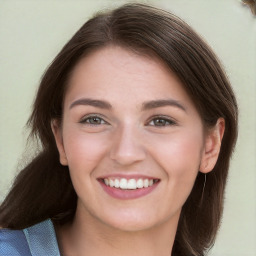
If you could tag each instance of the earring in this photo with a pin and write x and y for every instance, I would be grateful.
(202, 196)
(204, 184)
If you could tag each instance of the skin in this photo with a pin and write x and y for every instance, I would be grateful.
(130, 138)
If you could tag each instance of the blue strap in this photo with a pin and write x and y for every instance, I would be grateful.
(42, 239)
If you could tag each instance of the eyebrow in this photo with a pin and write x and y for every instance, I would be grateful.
(145, 106)
(91, 102)
(162, 103)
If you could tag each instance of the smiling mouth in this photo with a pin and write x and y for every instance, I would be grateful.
(129, 184)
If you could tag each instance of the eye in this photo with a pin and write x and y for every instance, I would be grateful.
(93, 120)
(161, 122)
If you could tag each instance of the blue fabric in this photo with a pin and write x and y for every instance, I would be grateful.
(38, 240)
(13, 243)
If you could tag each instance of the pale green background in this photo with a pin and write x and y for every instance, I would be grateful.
(32, 33)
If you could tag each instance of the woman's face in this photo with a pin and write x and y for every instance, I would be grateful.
(132, 138)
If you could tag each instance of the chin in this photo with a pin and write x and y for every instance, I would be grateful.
(136, 221)
(131, 225)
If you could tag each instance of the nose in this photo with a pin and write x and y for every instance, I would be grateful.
(127, 147)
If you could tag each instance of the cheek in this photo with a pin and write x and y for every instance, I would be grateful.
(180, 154)
(83, 151)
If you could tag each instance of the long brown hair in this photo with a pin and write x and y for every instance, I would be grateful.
(43, 189)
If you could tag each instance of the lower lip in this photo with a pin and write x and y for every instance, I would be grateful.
(129, 193)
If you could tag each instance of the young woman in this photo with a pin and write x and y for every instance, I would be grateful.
(137, 123)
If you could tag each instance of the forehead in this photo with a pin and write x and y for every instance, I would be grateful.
(116, 73)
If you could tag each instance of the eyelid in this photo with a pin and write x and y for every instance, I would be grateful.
(85, 117)
(169, 119)
(164, 117)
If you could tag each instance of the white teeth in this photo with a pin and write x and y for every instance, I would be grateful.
(132, 184)
(116, 183)
(123, 184)
(111, 183)
(128, 184)
(146, 183)
(140, 183)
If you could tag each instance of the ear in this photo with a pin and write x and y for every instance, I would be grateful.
(212, 146)
(56, 129)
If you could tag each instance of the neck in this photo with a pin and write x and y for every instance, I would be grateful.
(90, 238)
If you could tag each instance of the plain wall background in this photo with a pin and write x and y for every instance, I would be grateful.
(32, 33)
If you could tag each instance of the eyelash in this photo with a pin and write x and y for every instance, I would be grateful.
(87, 120)
(163, 121)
